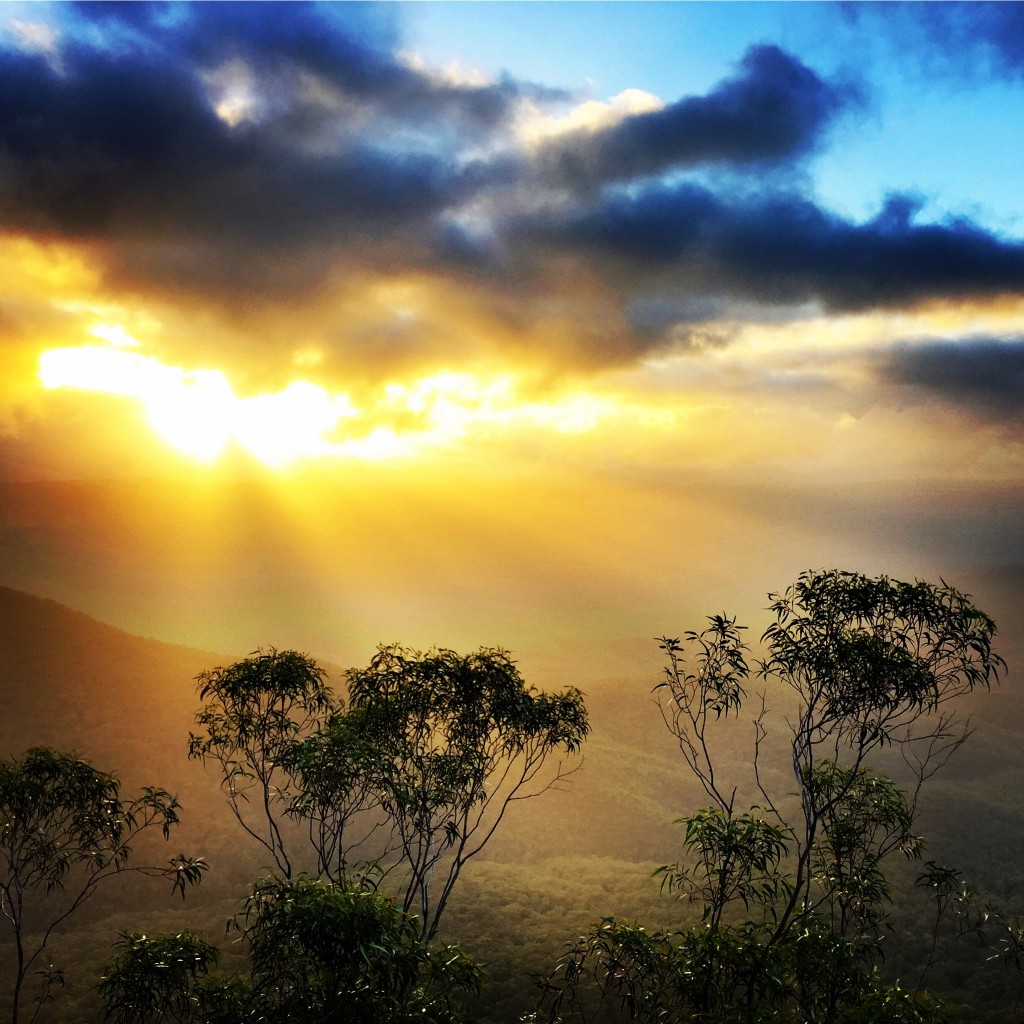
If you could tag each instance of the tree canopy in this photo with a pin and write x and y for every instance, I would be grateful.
(401, 787)
(64, 830)
(793, 892)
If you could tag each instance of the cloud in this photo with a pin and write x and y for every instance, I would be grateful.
(282, 168)
(138, 161)
(968, 38)
(350, 46)
(983, 375)
(775, 109)
(249, 153)
(1001, 27)
(129, 144)
(248, 129)
(780, 249)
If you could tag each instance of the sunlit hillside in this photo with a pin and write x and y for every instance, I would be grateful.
(560, 862)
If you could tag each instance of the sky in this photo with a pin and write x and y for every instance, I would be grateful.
(542, 325)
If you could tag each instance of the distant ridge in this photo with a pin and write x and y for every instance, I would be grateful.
(19, 608)
(69, 681)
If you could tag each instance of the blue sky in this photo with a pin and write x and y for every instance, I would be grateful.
(943, 113)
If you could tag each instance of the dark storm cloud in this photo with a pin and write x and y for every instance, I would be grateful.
(350, 46)
(113, 148)
(774, 110)
(781, 249)
(985, 375)
(341, 157)
(119, 142)
(965, 37)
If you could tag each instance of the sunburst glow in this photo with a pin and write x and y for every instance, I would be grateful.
(198, 413)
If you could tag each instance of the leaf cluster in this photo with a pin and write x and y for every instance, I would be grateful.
(318, 953)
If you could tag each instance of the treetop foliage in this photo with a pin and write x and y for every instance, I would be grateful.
(875, 652)
(794, 898)
(65, 829)
(416, 773)
(256, 710)
(260, 703)
(460, 701)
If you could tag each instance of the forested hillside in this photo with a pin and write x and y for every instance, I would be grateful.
(559, 863)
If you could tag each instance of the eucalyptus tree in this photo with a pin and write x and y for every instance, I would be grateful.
(792, 887)
(256, 711)
(64, 831)
(402, 787)
(458, 738)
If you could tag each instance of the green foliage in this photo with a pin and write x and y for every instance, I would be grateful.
(321, 952)
(715, 687)
(156, 978)
(735, 860)
(863, 817)
(620, 971)
(793, 903)
(786, 888)
(257, 710)
(400, 789)
(879, 1003)
(64, 829)
(731, 974)
(318, 953)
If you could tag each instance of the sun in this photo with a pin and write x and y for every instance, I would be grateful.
(198, 413)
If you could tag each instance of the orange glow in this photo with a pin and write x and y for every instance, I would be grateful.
(197, 412)
(34, 268)
(191, 411)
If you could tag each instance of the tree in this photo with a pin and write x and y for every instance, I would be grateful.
(321, 952)
(458, 739)
(156, 978)
(872, 663)
(65, 830)
(403, 787)
(318, 953)
(793, 892)
(257, 710)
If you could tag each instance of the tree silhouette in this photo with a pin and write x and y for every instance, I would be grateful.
(401, 788)
(65, 830)
(256, 711)
(458, 738)
(793, 893)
